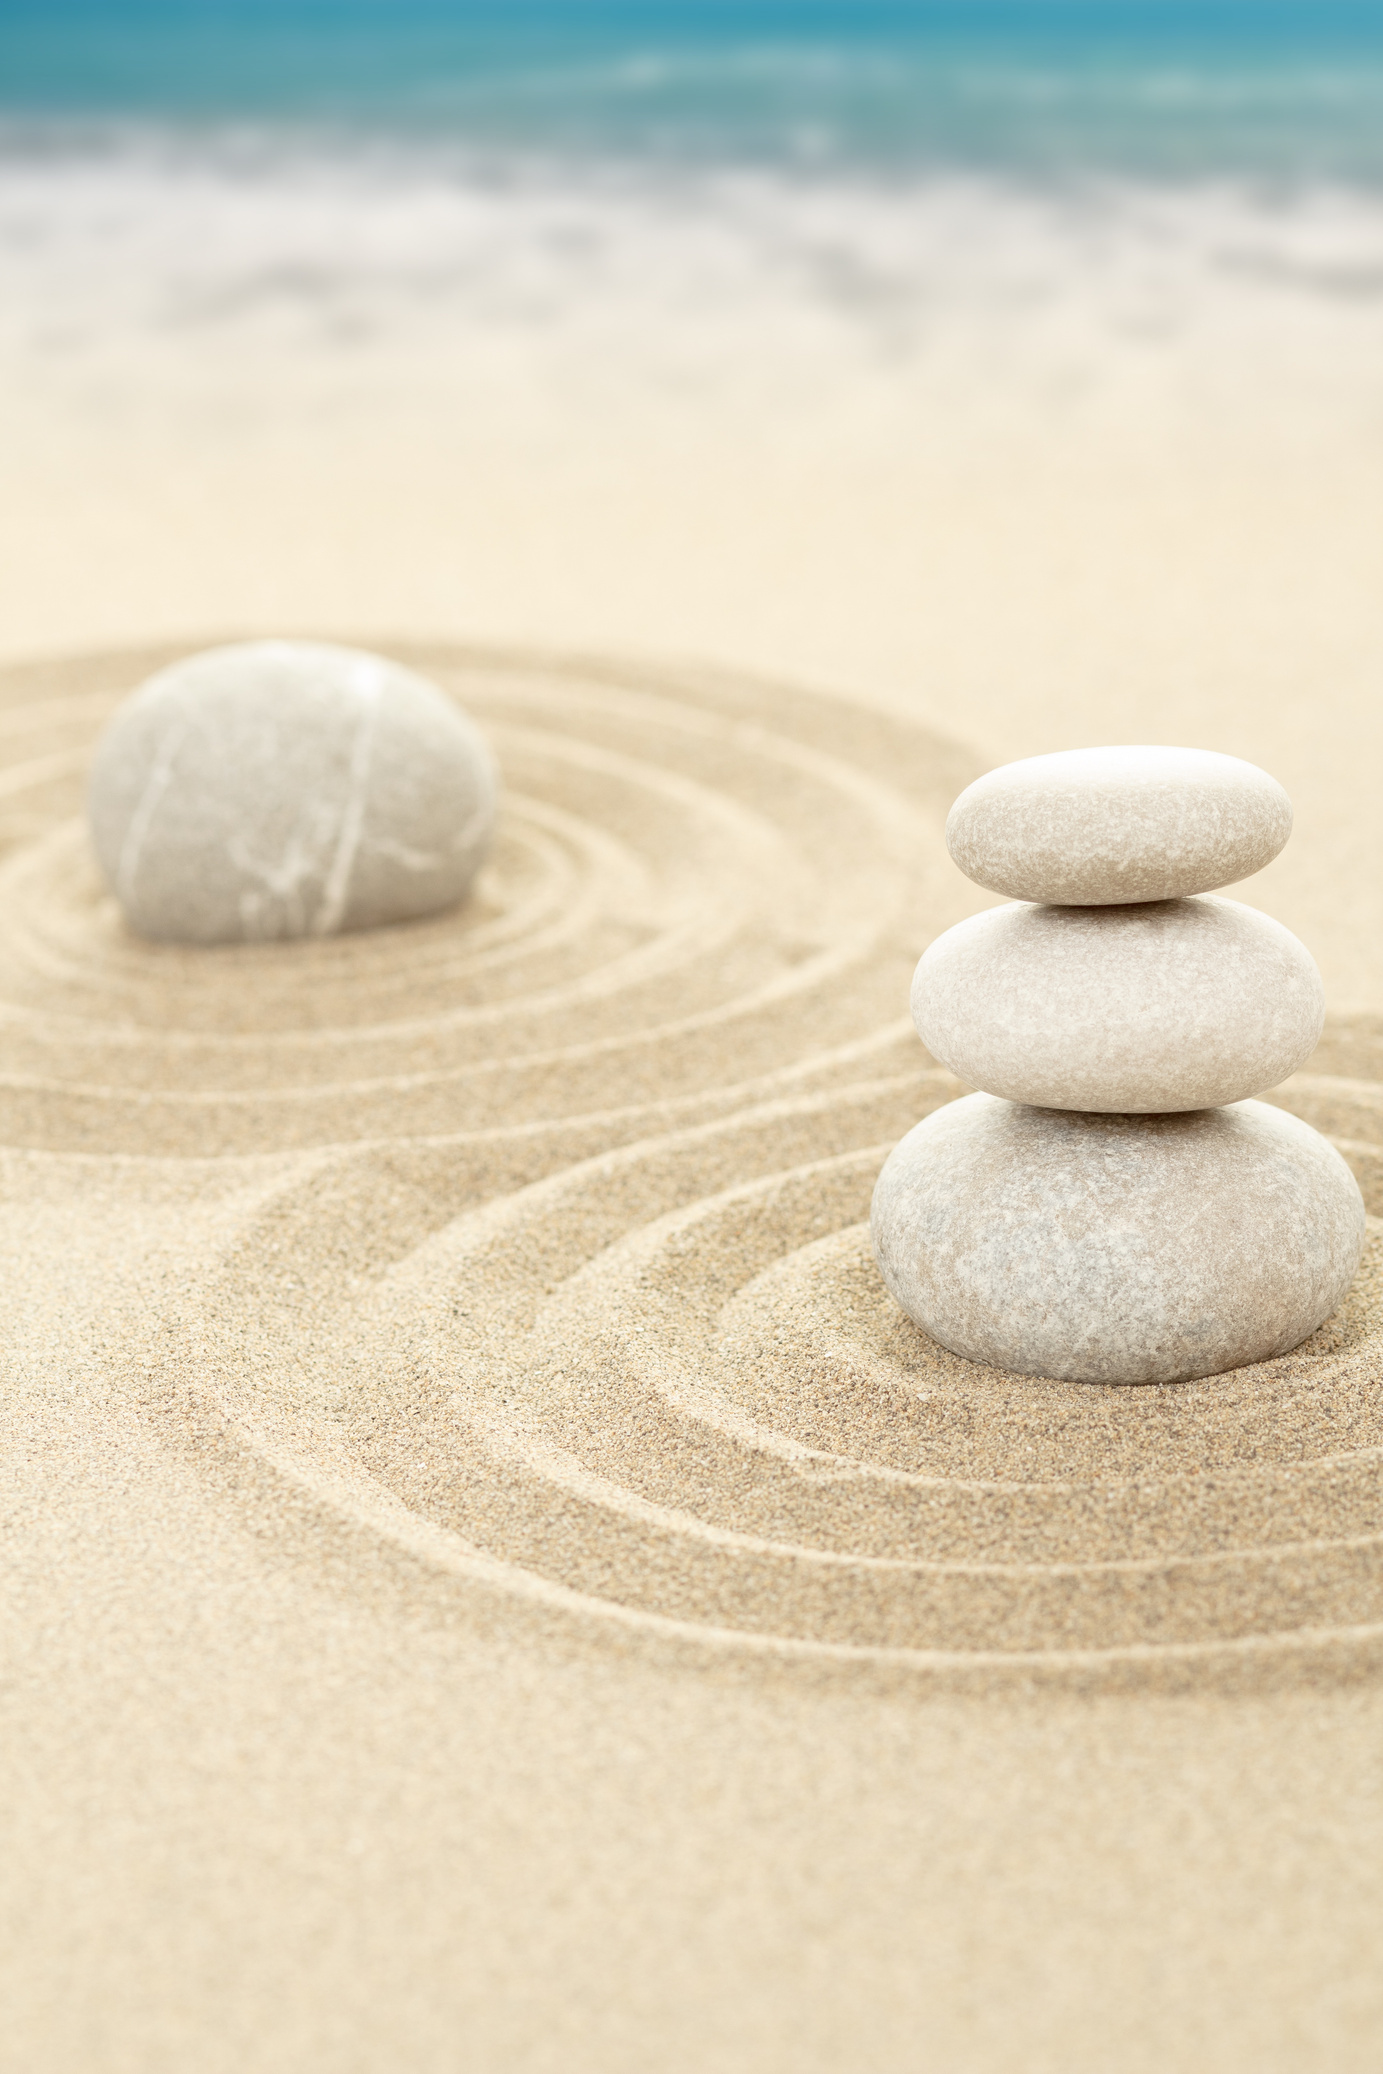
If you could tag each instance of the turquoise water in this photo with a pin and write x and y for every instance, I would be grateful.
(1167, 91)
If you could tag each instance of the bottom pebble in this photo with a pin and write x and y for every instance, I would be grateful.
(1116, 1249)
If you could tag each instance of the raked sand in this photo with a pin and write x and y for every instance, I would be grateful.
(495, 1580)
(491, 1580)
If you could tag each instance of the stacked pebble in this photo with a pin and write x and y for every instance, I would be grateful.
(1111, 1209)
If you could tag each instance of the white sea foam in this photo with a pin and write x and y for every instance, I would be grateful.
(203, 251)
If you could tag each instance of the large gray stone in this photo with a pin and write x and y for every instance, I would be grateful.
(1116, 1249)
(1088, 826)
(287, 788)
(1176, 1005)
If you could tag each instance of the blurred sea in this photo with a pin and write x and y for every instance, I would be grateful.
(346, 171)
(1257, 89)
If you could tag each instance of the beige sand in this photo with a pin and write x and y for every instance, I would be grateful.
(489, 1582)
(495, 1582)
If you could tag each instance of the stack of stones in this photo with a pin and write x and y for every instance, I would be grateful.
(1112, 1209)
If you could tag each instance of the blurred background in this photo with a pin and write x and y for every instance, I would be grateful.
(1018, 363)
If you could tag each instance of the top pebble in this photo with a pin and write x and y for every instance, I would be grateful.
(1106, 827)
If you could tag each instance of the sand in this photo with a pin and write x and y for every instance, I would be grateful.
(494, 1577)
(490, 1579)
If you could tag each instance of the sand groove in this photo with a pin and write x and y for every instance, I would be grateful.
(564, 1266)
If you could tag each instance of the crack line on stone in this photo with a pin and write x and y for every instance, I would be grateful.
(155, 785)
(368, 682)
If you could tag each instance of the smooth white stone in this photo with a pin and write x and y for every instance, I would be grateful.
(1176, 1005)
(288, 788)
(1085, 827)
(1104, 1249)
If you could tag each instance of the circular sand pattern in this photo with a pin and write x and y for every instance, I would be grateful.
(558, 1274)
(692, 900)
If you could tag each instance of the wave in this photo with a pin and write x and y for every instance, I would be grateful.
(137, 234)
(709, 90)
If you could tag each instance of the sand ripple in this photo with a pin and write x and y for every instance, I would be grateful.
(558, 1273)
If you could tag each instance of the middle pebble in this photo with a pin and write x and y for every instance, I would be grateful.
(1174, 1004)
